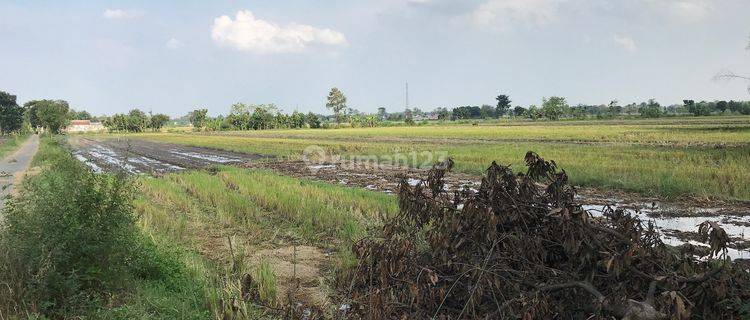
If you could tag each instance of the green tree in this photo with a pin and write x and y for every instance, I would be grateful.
(198, 118)
(158, 121)
(503, 105)
(443, 113)
(614, 108)
(137, 121)
(30, 108)
(297, 120)
(721, 106)
(652, 109)
(487, 111)
(336, 101)
(534, 112)
(239, 116)
(11, 114)
(118, 122)
(381, 113)
(519, 111)
(554, 107)
(312, 120)
(79, 115)
(52, 115)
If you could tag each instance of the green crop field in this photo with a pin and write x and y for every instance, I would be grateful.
(671, 157)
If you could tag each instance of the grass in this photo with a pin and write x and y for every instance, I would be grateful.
(314, 209)
(707, 157)
(672, 131)
(223, 212)
(266, 280)
(8, 144)
(259, 200)
(71, 248)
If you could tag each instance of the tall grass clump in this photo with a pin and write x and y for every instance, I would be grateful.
(314, 208)
(266, 281)
(69, 240)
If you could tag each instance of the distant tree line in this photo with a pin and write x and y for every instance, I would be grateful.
(253, 117)
(135, 121)
(556, 108)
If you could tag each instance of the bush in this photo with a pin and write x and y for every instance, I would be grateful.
(70, 237)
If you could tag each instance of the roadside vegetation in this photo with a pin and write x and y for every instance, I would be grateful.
(70, 246)
(10, 143)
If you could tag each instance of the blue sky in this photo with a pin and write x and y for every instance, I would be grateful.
(174, 56)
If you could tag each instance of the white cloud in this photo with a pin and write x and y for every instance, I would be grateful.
(692, 9)
(121, 14)
(502, 14)
(248, 33)
(173, 43)
(685, 10)
(626, 43)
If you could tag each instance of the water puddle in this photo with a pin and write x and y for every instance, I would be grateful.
(206, 157)
(88, 163)
(110, 157)
(735, 226)
(153, 163)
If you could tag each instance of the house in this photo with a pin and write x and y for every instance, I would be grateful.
(84, 126)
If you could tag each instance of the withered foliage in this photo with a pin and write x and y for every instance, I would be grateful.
(521, 247)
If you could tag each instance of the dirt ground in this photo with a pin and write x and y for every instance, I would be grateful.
(138, 156)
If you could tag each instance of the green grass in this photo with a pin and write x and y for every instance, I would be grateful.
(314, 208)
(266, 280)
(260, 200)
(82, 228)
(191, 209)
(8, 144)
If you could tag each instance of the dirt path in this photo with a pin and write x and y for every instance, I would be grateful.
(14, 165)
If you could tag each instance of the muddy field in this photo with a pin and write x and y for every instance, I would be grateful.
(143, 157)
(677, 220)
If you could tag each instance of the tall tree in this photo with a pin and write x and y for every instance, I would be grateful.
(30, 112)
(52, 115)
(137, 120)
(11, 114)
(312, 120)
(554, 107)
(503, 105)
(337, 102)
(381, 113)
(487, 111)
(79, 115)
(158, 121)
(198, 118)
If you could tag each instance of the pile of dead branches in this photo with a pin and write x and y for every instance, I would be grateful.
(521, 247)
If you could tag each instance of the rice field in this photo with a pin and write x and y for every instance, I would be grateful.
(704, 157)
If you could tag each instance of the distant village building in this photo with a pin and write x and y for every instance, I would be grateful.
(84, 126)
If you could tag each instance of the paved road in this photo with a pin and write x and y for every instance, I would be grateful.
(14, 165)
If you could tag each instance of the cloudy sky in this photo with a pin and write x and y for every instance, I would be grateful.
(173, 56)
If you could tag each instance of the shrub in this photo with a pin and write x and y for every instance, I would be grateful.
(70, 237)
